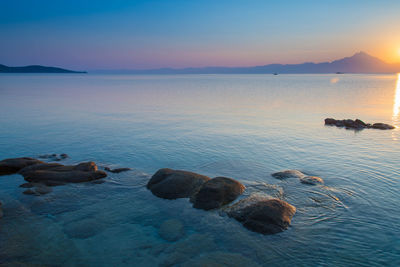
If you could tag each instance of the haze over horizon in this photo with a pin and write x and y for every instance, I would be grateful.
(178, 34)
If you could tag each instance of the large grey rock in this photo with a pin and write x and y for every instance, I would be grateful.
(263, 215)
(53, 174)
(171, 230)
(217, 192)
(10, 166)
(172, 184)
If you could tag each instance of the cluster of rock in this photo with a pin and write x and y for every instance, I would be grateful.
(357, 124)
(305, 179)
(40, 175)
(266, 216)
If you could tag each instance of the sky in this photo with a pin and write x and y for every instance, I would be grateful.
(103, 34)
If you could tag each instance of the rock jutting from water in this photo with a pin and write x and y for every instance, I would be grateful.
(305, 179)
(263, 215)
(11, 166)
(357, 124)
(171, 184)
(57, 173)
(217, 192)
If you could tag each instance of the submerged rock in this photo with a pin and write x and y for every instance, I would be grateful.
(117, 170)
(55, 174)
(1, 210)
(265, 216)
(172, 184)
(312, 180)
(37, 189)
(357, 124)
(171, 230)
(217, 192)
(85, 228)
(10, 166)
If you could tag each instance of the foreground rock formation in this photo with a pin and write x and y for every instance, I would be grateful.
(172, 184)
(263, 215)
(217, 192)
(357, 124)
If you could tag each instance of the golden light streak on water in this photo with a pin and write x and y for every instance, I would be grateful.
(396, 106)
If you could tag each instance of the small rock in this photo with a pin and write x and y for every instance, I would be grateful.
(54, 157)
(312, 180)
(172, 184)
(382, 126)
(288, 174)
(217, 192)
(171, 230)
(117, 170)
(31, 192)
(27, 185)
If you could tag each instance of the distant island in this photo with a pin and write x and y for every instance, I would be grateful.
(358, 63)
(35, 69)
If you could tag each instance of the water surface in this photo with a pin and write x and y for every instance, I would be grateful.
(241, 126)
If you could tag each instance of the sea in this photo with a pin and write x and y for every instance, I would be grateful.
(241, 126)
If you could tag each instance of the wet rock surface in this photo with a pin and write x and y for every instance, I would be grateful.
(265, 216)
(217, 192)
(54, 173)
(172, 184)
(357, 124)
(11, 166)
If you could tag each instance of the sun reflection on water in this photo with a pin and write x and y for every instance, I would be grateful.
(396, 106)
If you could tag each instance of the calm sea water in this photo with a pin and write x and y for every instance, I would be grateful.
(241, 126)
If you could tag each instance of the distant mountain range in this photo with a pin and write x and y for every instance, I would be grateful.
(35, 69)
(358, 63)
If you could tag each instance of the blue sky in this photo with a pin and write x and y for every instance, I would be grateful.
(151, 34)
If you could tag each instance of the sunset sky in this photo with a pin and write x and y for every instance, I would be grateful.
(178, 33)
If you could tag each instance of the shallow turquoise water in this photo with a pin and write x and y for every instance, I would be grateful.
(241, 126)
